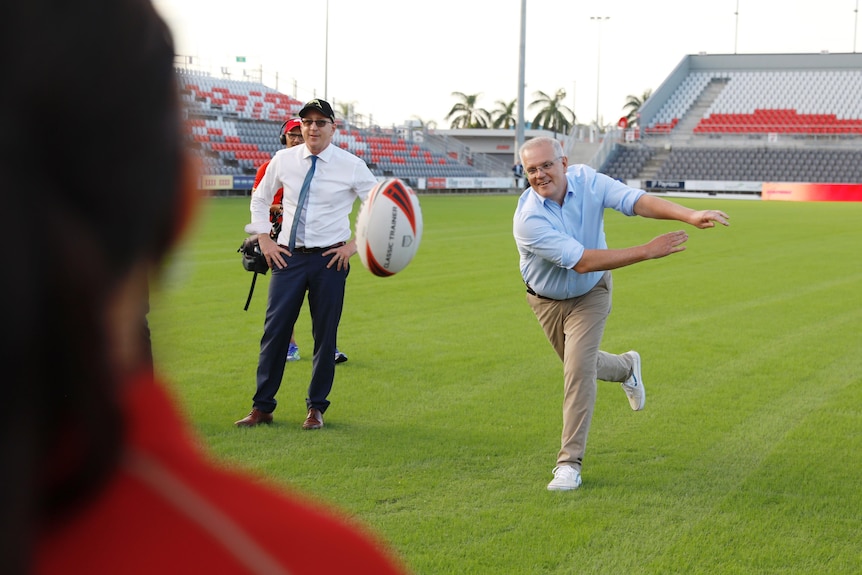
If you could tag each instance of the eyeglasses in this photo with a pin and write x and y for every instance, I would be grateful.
(318, 123)
(294, 135)
(532, 171)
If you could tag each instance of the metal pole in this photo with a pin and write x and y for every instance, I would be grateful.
(599, 20)
(519, 128)
(855, 24)
(574, 96)
(326, 58)
(598, 69)
(736, 30)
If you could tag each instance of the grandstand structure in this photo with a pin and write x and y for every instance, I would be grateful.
(233, 127)
(726, 123)
(717, 124)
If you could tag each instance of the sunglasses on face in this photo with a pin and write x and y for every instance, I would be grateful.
(318, 123)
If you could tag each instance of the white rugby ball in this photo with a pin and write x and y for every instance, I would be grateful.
(389, 228)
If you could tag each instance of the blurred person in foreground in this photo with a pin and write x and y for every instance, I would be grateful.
(290, 136)
(565, 263)
(311, 254)
(100, 473)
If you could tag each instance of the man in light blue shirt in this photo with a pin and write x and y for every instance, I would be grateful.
(565, 262)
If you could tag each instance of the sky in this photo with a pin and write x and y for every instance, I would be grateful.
(397, 60)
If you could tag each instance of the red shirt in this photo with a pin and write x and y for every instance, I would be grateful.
(170, 509)
(279, 194)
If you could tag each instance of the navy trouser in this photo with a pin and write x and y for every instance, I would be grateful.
(287, 287)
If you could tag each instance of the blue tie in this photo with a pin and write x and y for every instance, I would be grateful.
(303, 194)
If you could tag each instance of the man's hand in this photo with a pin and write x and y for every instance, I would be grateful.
(341, 255)
(611, 259)
(707, 218)
(666, 244)
(273, 252)
(660, 209)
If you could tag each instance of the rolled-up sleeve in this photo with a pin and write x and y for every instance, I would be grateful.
(619, 196)
(261, 200)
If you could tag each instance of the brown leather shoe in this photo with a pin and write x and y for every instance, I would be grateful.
(314, 419)
(256, 417)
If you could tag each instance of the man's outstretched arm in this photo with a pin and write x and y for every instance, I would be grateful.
(660, 209)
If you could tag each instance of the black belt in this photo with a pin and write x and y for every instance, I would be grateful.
(531, 292)
(305, 250)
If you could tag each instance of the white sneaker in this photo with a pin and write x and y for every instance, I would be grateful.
(566, 478)
(634, 385)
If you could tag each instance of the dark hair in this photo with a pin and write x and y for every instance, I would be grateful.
(91, 163)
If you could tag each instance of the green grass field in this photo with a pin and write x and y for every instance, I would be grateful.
(445, 422)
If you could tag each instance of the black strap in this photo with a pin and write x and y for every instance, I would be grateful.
(250, 290)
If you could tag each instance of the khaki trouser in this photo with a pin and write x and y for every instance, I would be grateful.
(574, 327)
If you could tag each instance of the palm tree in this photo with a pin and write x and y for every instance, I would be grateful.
(425, 125)
(465, 114)
(633, 105)
(553, 114)
(504, 115)
(345, 111)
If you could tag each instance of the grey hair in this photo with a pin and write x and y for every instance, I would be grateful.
(538, 141)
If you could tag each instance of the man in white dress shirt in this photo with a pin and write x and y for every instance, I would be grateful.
(318, 262)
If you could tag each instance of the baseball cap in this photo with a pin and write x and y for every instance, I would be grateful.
(291, 124)
(321, 106)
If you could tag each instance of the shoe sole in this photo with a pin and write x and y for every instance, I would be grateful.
(311, 424)
(636, 369)
(240, 424)
(563, 488)
(567, 487)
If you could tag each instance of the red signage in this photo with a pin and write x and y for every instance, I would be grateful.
(436, 183)
(798, 192)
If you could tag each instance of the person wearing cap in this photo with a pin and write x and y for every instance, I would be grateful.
(291, 135)
(311, 254)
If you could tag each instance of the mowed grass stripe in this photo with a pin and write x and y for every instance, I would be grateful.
(771, 464)
(755, 406)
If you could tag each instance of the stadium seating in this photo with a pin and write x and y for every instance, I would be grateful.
(776, 101)
(626, 162)
(764, 165)
(234, 98)
(233, 127)
(758, 164)
(779, 121)
(748, 118)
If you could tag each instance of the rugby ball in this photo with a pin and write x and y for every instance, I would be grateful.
(388, 228)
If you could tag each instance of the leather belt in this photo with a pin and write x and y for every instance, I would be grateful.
(531, 292)
(305, 250)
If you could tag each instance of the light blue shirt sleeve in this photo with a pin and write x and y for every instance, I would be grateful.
(551, 239)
